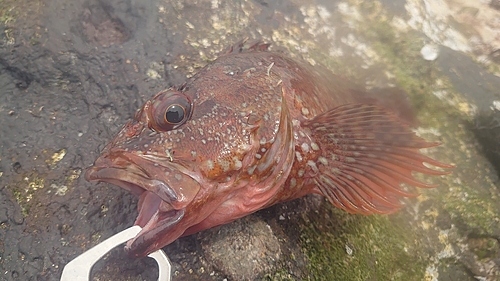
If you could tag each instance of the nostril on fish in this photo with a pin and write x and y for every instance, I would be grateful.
(164, 191)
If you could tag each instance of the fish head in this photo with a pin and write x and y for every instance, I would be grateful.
(192, 150)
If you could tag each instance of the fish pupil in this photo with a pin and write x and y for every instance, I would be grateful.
(174, 114)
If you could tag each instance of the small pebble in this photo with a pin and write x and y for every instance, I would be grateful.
(430, 52)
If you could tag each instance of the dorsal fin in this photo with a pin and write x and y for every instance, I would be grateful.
(367, 154)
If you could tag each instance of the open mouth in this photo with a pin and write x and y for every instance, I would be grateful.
(158, 211)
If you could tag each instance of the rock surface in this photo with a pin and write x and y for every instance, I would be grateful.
(72, 72)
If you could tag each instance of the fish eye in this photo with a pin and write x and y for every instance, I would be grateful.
(168, 110)
(175, 114)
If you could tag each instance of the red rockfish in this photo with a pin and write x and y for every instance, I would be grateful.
(255, 128)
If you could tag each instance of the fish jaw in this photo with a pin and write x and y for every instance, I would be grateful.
(165, 192)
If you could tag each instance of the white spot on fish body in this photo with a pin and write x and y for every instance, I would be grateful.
(301, 172)
(298, 156)
(293, 182)
(269, 68)
(193, 153)
(237, 163)
(313, 166)
(210, 164)
(251, 169)
(305, 111)
(200, 130)
(204, 141)
(323, 160)
(314, 146)
(169, 154)
(305, 147)
(350, 160)
(225, 165)
(258, 156)
(178, 177)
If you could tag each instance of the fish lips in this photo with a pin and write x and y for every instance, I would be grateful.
(164, 194)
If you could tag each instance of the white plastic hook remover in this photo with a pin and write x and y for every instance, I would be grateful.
(79, 268)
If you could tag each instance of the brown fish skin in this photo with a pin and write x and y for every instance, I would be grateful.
(255, 128)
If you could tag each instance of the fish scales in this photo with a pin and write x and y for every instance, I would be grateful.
(255, 128)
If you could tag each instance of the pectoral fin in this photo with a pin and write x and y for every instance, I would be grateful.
(367, 154)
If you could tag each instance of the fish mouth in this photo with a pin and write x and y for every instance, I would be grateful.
(161, 207)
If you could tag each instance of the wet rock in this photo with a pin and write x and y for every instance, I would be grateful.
(450, 272)
(486, 127)
(29, 248)
(495, 4)
(16, 215)
(17, 167)
(249, 255)
(484, 247)
(101, 26)
(3, 215)
(495, 56)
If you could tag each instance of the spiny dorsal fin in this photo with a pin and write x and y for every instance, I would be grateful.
(367, 154)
